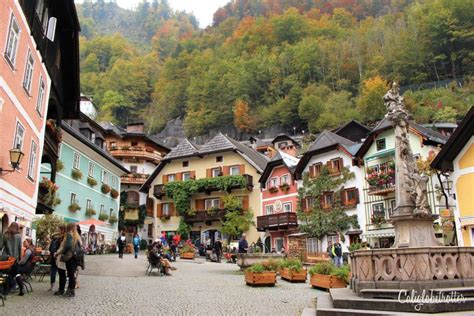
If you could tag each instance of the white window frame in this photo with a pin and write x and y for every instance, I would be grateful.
(114, 181)
(90, 169)
(273, 182)
(286, 204)
(13, 39)
(102, 209)
(269, 209)
(18, 138)
(104, 177)
(276, 240)
(231, 170)
(165, 209)
(76, 161)
(28, 75)
(171, 177)
(374, 206)
(41, 94)
(215, 172)
(211, 203)
(186, 176)
(73, 198)
(285, 179)
(111, 212)
(32, 160)
(136, 169)
(88, 204)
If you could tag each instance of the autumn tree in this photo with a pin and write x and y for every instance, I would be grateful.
(369, 102)
(243, 120)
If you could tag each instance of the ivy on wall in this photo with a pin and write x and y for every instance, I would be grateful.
(122, 223)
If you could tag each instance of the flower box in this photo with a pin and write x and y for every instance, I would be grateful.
(267, 278)
(327, 281)
(273, 189)
(292, 275)
(187, 255)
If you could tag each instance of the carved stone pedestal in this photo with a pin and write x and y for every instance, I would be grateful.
(413, 231)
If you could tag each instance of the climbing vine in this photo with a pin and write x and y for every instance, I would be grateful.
(237, 220)
(319, 222)
(181, 191)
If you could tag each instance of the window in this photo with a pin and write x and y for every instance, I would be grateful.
(88, 204)
(269, 209)
(219, 159)
(165, 209)
(76, 161)
(19, 135)
(12, 41)
(102, 209)
(234, 170)
(287, 207)
(315, 170)
(133, 169)
(273, 182)
(351, 196)
(335, 166)
(93, 137)
(105, 177)
(73, 198)
(332, 239)
(313, 245)
(282, 145)
(186, 176)
(185, 164)
(378, 209)
(32, 161)
(380, 143)
(40, 100)
(171, 178)
(285, 179)
(114, 182)
(28, 76)
(111, 212)
(393, 205)
(90, 171)
(112, 144)
(211, 203)
(215, 172)
(327, 200)
(279, 245)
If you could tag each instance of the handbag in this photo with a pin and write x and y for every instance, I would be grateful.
(66, 256)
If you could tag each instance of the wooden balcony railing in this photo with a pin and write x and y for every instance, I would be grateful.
(159, 191)
(279, 221)
(205, 216)
(138, 153)
(135, 178)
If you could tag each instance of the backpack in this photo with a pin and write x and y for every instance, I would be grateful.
(78, 255)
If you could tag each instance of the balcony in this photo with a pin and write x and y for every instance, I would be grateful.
(280, 221)
(135, 153)
(383, 188)
(134, 178)
(159, 191)
(381, 182)
(248, 179)
(204, 216)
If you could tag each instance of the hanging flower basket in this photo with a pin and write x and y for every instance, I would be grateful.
(103, 217)
(285, 187)
(114, 193)
(74, 207)
(48, 192)
(91, 181)
(76, 174)
(113, 219)
(90, 212)
(105, 188)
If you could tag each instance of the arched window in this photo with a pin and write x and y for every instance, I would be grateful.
(133, 198)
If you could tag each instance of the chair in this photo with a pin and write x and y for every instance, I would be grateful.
(154, 265)
(5, 267)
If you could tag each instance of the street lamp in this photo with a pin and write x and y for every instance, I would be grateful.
(16, 156)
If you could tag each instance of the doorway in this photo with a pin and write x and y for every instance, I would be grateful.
(268, 244)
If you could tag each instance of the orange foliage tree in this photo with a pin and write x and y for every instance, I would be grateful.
(242, 118)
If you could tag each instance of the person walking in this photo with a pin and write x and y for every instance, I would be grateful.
(336, 251)
(218, 249)
(121, 241)
(56, 239)
(11, 245)
(67, 259)
(243, 244)
(136, 244)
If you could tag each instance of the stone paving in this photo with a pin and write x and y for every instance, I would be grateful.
(110, 285)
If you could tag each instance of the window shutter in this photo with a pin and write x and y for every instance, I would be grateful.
(312, 171)
(226, 171)
(343, 197)
(193, 174)
(357, 195)
(245, 202)
(208, 173)
(304, 204)
(165, 179)
(158, 210)
(341, 164)
(172, 209)
(241, 169)
(199, 204)
(321, 201)
(220, 171)
(179, 176)
(221, 203)
(329, 166)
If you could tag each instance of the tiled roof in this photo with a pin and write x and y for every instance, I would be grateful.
(253, 156)
(427, 132)
(327, 138)
(184, 149)
(218, 143)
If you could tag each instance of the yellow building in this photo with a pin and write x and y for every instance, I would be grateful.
(457, 156)
(220, 157)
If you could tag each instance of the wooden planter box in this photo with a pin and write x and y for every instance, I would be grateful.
(267, 278)
(327, 281)
(187, 255)
(293, 276)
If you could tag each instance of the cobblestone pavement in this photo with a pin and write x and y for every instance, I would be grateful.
(113, 286)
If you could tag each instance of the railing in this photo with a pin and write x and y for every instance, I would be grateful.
(382, 188)
(205, 216)
(158, 191)
(135, 152)
(136, 178)
(248, 179)
(277, 221)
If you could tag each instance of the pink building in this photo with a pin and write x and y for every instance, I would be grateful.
(39, 46)
(279, 201)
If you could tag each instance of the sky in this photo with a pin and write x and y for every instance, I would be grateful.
(203, 10)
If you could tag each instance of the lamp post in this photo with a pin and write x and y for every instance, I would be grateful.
(16, 155)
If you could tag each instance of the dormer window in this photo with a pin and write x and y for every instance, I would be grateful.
(380, 143)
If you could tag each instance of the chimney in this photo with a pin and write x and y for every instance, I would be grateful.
(290, 150)
(135, 127)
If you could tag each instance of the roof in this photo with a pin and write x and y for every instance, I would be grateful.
(282, 137)
(431, 136)
(441, 125)
(352, 122)
(92, 146)
(279, 159)
(219, 143)
(444, 160)
(325, 141)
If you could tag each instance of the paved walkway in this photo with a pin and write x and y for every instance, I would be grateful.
(110, 285)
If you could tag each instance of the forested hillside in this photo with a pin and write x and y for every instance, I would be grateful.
(308, 64)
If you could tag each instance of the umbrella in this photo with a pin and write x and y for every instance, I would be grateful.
(93, 221)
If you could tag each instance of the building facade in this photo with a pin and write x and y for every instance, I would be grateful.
(221, 157)
(140, 154)
(457, 158)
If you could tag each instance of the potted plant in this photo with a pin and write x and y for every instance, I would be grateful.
(292, 270)
(91, 181)
(263, 273)
(113, 219)
(74, 207)
(90, 212)
(378, 220)
(187, 251)
(48, 192)
(114, 193)
(76, 174)
(105, 188)
(326, 275)
(285, 187)
(273, 189)
(103, 216)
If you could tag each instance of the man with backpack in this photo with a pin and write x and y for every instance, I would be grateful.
(136, 244)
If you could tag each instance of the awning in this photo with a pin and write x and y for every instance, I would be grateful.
(70, 220)
(381, 154)
(387, 232)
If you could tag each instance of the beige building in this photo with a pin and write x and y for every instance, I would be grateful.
(220, 157)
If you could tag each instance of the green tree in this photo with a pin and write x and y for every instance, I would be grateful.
(46, 226)
(237, 220)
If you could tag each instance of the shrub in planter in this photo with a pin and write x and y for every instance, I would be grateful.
(187, 251)
(105, 188)
(74, 207)
(76, 174)
(91, 181)
(114, 193)
(262, 273)
(103, 217)
(292, 270)
(113, 219)
(285, 187)
(326, 275)
(90, 212)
